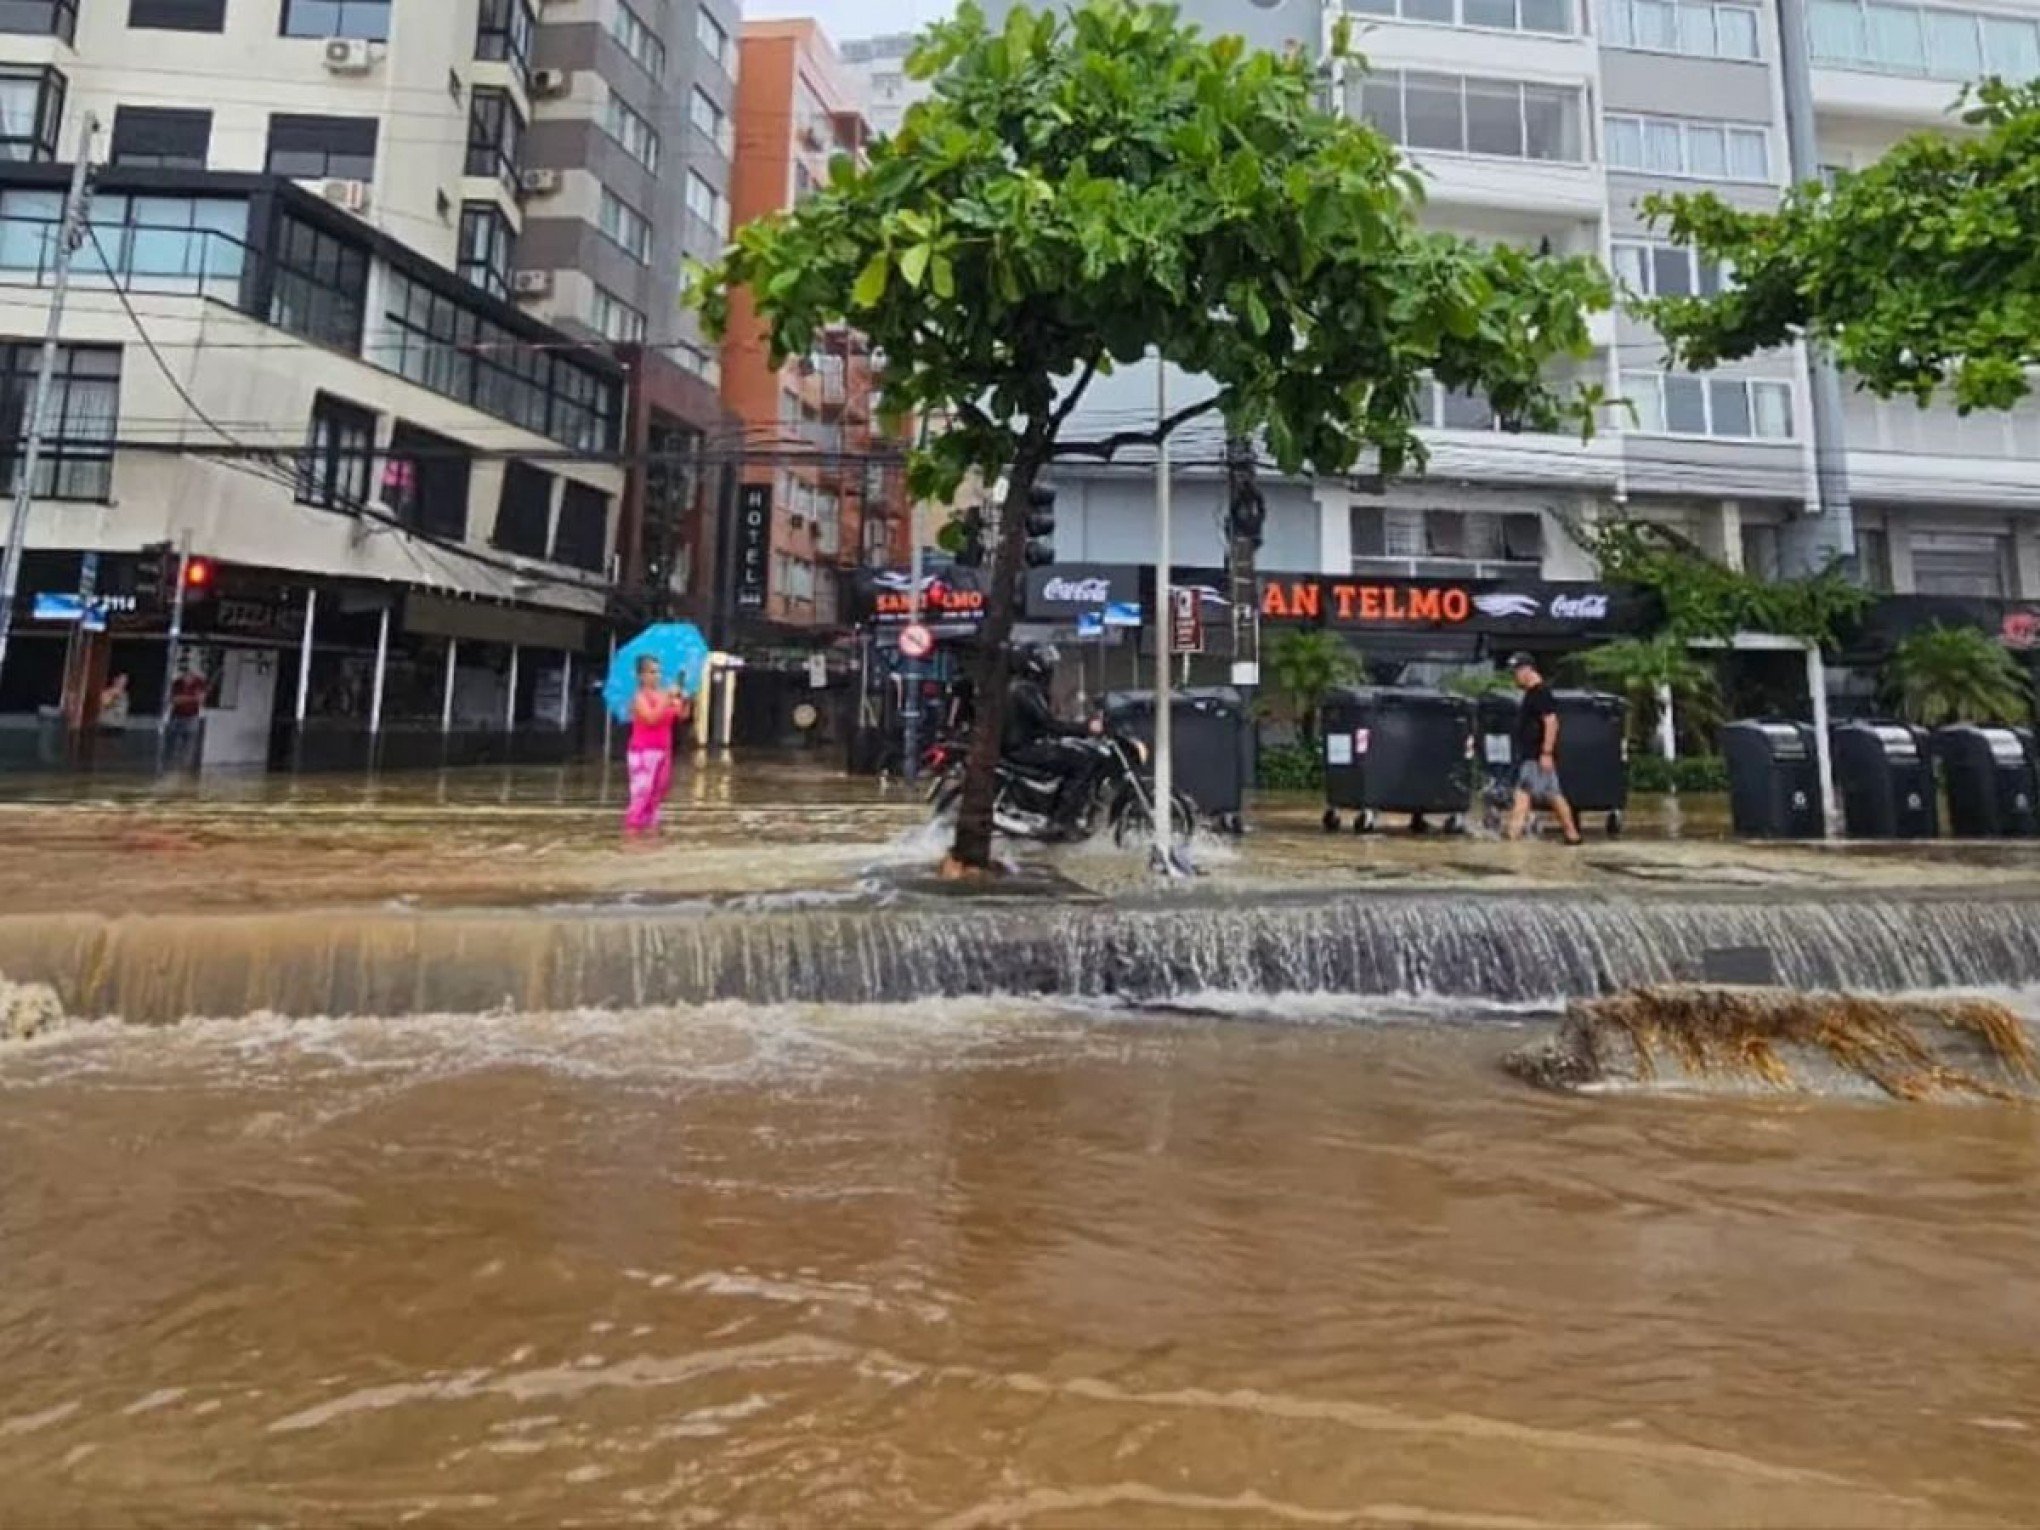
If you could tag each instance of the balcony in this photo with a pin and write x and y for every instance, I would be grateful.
(1898, 450)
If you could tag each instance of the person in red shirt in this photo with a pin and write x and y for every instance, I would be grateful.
(188, 693)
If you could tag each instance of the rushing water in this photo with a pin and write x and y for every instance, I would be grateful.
(982, 1265)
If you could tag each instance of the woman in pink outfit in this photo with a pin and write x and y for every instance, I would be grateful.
(653, 713)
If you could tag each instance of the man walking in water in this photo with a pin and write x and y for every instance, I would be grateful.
(1537, 783)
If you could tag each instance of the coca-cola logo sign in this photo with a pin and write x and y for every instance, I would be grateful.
(1089, 591)
(1580, 608)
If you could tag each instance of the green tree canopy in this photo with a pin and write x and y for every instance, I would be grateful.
(1082, 190)
(1920, 272)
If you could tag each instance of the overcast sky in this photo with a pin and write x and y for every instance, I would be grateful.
(847, 19)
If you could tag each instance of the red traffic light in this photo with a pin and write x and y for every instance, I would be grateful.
(198, 574)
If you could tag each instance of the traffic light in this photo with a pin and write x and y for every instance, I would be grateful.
(1040, 550)
(155, 569)
(1246, 507)
(964, 538)
(198, 579)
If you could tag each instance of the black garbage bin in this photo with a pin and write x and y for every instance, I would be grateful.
(1773, 779)
(1992, 790)
(1884, 774)
(1398, 751)
(1593, 752)
(1212, 746)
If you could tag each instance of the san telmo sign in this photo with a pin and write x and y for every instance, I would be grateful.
(1446, 605)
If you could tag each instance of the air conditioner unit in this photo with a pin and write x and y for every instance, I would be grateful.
(539, 183)
(349, 55)
(531, 283)
(352, 195)
(551, 82)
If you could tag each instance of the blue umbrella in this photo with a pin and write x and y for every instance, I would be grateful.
(682, 653)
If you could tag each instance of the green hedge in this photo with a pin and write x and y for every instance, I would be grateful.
(1290, 768)
(1650, 773)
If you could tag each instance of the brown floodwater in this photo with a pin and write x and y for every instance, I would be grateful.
(976, 1265)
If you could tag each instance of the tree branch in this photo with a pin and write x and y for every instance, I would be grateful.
(1062, 411)
(1105, 450)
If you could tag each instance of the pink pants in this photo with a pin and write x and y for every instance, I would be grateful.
(651, 777)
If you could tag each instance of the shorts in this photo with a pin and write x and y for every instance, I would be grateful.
(1537, 783)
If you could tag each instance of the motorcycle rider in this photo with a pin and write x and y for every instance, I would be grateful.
(1034, 738)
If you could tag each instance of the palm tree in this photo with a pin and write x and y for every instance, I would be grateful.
(1640, 670)
(1304, 663)
(1956, 674)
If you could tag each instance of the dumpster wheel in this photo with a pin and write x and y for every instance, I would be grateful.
(1331, 820)
(1366, 821)
(1614, 824)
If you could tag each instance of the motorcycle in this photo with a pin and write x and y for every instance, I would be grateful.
(1121, 799)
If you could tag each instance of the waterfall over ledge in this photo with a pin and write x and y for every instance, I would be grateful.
(1513, 947)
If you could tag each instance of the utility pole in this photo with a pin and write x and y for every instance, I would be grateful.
(1165, 615)
(1832, 531)
(70, 234)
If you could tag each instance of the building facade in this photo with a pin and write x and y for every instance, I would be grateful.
(823, 488)
(878, 66)
(1544, 123)
(336, 333)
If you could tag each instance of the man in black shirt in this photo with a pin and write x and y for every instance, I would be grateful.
(1537, 782)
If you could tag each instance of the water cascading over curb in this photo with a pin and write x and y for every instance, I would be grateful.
(1513, 948)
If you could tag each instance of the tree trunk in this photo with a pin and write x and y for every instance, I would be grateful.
(973, 847)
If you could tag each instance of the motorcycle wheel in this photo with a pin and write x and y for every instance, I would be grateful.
(1132, 825)
(944, 799)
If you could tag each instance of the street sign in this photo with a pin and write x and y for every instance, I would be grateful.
(818, 672)
(62, 606)
(1186, 631)
(916, 641)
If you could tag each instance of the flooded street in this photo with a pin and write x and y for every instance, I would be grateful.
(985, 1264)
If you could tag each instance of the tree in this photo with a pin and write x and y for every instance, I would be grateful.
(1956, 674)
(1918, 273)
(1640, 670)
(1082, 190)
(1305, 663)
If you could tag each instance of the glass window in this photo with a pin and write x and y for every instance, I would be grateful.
(1749, 156)
(1617, 23)
(1735, 31)
(320, 289)
(160, 136)
(1839, 35)
(1551, 119)
(1729, 399)
(639, 40)
(1432, 108)
(81, 423)
(707, 203)
(495, 136)
(1896, 38)
(581, 539)
(1954, 45)
(524, 512)
(1465, 411)
(712, 121)
(367, 19)
(1696, 30)
(1439, 11)
(715, 42)
(1685, 406)
(1489, 13)
(1494, 118)
(1771, 410)
(322, 148)
(1656, 25)
(1706, 151)
(1645, 393)
(504, 33)
(1625, 143)
(1632, 266)
(626, 226)
(1671, 271)
(425, 481)
(615, 319)
(2011, 47)
(637, 135)
(485, 240)
(178, 15)
(31, 108)
(1381, 105)
(40, 18)
(1662, 146)
(339, 457)
(1547, 16)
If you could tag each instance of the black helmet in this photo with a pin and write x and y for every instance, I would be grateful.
(1036, 661)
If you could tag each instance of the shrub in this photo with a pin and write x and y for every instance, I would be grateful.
(1291, 768)
(1652, 774)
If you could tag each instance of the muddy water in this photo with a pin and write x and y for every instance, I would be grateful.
(984, 1266)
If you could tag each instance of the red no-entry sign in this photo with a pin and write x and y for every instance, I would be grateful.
(916, 641)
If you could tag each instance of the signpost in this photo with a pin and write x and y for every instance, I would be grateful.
(917, 642)
(1187, 625)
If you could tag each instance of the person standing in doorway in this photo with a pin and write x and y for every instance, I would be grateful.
(654, 712)
(1537, 783)
(188, 694)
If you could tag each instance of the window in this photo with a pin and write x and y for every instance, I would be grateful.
(485, 239)
(1728, 408)
(1504, 15)
(322, 148)
(1667, 270)
(495, 136)
(524, 513)
(504, 33)
(335, 470)
(626, 226)
(714, 41)
(40, 18)
(439, 341)
(1678, 146)
(321, 285)
(425, 481)
(1873, 559)
(178, 15)
(637, 136)
(614, 319)
(711, 119)
(154, 135)
(708, 204)
(368, 20)
(1977, 565)
(1407, 537)
(581, 540)
(638, 40)
(1924, 40)
(81, 424)
(1688, 26)
(31, 109)
(1463, 115)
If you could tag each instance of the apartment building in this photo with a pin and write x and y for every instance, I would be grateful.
(1545, 122)
(823, 491)
(878, 68)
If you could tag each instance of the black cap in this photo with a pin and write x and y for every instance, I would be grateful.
(1520, 660)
